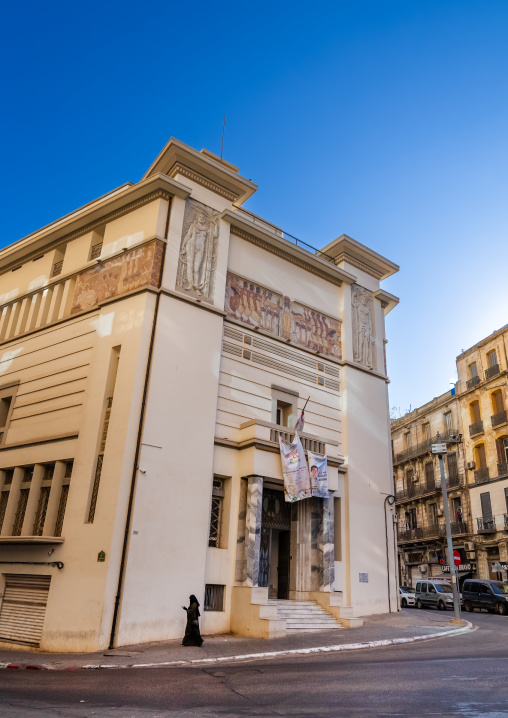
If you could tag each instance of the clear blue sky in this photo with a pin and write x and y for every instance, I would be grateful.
(384, 120)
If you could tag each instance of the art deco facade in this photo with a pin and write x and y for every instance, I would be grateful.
(476, 470)
(154, 345)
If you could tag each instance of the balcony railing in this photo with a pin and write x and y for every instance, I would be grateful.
(427, 487)
(434, 530)
(473, 382)
(481, 475)
(502, 468)
(309, 443)
(476, 428)
(422, 447)
(486, 525)
(498, 419)
(492, 371)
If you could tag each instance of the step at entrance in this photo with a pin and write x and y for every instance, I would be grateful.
(304, 616)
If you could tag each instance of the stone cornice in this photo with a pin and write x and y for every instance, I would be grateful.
(388, 301)
(205, 167)
(343, 257)
(89, 217)
(280, 247)
(203, 181)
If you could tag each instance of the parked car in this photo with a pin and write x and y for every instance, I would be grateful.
(434, 592)
(407, 596)
(483, 593)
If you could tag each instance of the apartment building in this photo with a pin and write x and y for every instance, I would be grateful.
(420, 511)
(476, 470)
(482, 372)
(154, 346)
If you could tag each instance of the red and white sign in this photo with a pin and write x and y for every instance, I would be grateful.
(456, 558)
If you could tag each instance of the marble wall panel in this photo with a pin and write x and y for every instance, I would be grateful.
(253, 529)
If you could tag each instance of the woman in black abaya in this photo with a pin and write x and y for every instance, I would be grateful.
(192, 635)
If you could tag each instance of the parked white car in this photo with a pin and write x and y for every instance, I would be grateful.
(407, 596)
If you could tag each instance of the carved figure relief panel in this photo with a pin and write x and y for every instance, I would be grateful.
(126, 272)
(198, 250)
(257, 306)
(364, 336)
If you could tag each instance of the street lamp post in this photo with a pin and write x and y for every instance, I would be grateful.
(440, 448)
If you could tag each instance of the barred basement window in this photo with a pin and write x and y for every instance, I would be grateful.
(216, 512)
(214, 597)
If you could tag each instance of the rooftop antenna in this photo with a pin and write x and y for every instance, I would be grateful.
(222, 145)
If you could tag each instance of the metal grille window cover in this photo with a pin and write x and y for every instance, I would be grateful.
(276, 512)
(49, 470)
(4, 497)
(40, 516)
(20, 513)
(23, 608)
(28, 473)
(214, 597)
(68, 469)
(61, 510)
(96, 251)
(216, 513)
(9, 475)
(95, 489)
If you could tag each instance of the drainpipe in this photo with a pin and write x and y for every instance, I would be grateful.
(135, 467)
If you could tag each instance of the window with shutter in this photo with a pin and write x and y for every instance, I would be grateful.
(480, 459)
(23, 608)
(486, 506)
(492, 358)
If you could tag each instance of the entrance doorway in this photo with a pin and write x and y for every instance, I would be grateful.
(274, 558)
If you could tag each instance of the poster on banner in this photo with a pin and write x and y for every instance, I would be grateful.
(294, 470)
(318, 470)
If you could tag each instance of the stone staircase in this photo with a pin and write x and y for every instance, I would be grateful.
(304, 616)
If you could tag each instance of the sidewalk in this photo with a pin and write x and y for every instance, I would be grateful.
(385, 629)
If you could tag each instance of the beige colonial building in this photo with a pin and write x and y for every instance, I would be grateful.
(476, 470)
(482, 372)
(419, 500)
(154, 345)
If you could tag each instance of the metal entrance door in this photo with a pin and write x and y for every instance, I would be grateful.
(276, 515)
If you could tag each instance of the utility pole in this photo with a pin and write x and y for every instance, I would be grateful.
(440, 448)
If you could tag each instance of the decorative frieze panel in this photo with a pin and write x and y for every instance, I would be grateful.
(260, 307)
(198, 250)
(364, 337)
(136, 268)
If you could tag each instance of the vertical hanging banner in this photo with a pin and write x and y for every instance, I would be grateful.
(294, 470)
(318, 470)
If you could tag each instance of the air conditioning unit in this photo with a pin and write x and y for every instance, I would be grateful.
(415, 479)
(468, 546)
(422, 568)
(470, 465)
(470, 555)
(440, 512)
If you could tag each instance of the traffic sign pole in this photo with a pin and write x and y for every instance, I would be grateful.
(453, 570)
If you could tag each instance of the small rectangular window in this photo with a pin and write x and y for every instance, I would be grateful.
(247, 339)
(321, 380)
(247, 354)
(214, 597)
(7, 396)
(448, 421)
(320, 366)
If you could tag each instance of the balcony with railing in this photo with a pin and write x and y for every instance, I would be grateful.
(422, 447)
(264, 433)
(458, 528)
(476, 428)
(481, 476)
(473, 382)
(433, 531)
(426, 488)
(492, 371)
(498, 419)
(486, 526)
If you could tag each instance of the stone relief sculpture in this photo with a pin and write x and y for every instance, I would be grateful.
(364, 339)
(258, 306)
(198, 250)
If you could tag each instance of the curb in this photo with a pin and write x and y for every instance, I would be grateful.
(253, 656)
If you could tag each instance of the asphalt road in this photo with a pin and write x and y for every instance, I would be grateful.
(459, 676)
